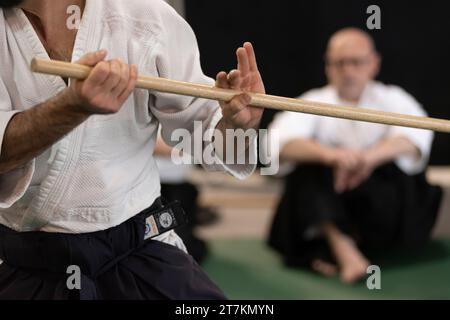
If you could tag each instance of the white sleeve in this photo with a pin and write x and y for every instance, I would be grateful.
(292, 126)
(176, 56)
(289, 126)
(14, 184)
(404, 103)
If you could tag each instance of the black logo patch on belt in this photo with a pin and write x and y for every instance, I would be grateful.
(164, 219)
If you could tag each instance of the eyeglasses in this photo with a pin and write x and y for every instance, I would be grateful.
(354, 62)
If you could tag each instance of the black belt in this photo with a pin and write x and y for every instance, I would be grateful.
(92, 252)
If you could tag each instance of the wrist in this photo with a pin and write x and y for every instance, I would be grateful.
(73, 103)
(230, 123)
(327, 156)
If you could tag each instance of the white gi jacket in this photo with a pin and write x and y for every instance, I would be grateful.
(102, 173)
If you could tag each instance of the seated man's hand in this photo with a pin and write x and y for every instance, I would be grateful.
(363, 172)
(347, 159)
(351, 168)
(345, 163)
(238, 114)
(108, 86)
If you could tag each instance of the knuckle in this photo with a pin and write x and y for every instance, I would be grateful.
(235, 105)
(103, 69)
(114, 70)
(116, 73)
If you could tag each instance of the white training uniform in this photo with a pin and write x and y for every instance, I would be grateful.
(103, 172)
(355, 134)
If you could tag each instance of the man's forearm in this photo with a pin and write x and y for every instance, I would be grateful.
(33, 131)
(391, 148)
(104, 91)
(305, 151)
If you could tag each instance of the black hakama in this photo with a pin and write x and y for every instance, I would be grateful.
(390, 210)
(116, 264)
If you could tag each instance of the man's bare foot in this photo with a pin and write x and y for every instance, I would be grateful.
(325, 268)
(352, 263)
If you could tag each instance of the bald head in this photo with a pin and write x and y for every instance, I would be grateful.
(351, 39)
(352, 62)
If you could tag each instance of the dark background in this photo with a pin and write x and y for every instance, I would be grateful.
(290, 39)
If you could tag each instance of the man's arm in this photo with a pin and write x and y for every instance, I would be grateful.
(31, 132)
(344, 162)
(310, 151)
(387, 150)
(390, 149)
(305, 151)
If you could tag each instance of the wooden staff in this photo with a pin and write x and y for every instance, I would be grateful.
(77, 71)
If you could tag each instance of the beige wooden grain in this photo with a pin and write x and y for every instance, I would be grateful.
(77, 71)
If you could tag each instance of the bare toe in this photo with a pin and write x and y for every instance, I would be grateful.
(324, 268)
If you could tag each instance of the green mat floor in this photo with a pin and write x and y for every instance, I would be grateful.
(248, 269)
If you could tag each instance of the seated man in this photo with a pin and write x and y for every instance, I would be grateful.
(357, 187)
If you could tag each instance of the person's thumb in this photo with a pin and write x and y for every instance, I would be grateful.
(92, 58)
